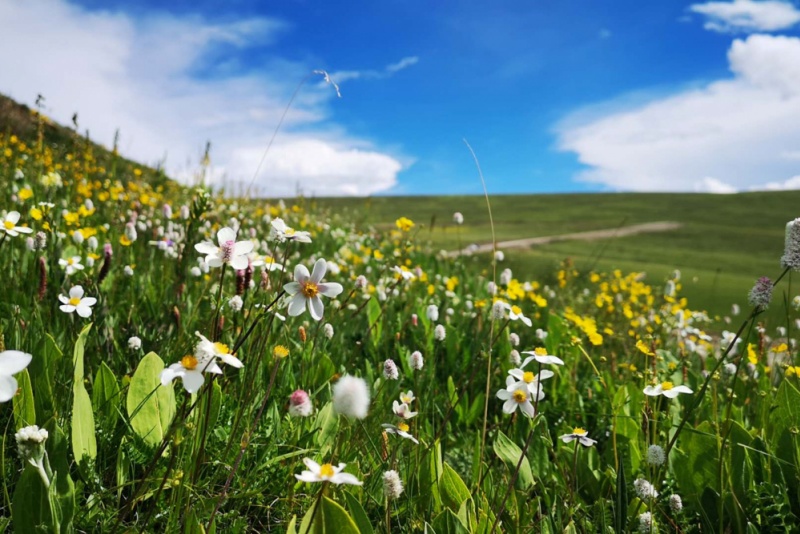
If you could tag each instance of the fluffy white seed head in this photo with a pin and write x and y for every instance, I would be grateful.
(392, 485)
(351, 397)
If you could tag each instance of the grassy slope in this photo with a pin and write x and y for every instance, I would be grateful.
(725, 243)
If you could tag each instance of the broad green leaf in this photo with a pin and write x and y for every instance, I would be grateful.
(510, 454)
(150, 405)
(24, 404)
(106, 397)
(30, 507)
(328, 424)
(375, 318)
(84, 441)
(695, 464)
(56, 446)
(292, 529)
(358, 513)
(42, 371)
(621, 505)
(329, 518)
(452, 488)
(448, 523)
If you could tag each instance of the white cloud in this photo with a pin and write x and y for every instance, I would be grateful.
(748, 15)
(744, 131)
(370, 74)
(171, 84)
(787, 185)
(712, 185)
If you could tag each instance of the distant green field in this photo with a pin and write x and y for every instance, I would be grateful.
(724, 244)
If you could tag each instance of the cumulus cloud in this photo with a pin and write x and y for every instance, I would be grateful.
(733, 134)
(748, 15)
(170, 84)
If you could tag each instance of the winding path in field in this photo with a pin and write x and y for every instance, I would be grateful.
(592, 235)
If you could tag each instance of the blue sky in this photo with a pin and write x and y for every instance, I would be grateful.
(553, 96)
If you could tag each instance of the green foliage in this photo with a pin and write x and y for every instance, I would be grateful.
(151, 406)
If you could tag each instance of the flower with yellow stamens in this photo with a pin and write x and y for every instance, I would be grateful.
(326, 473)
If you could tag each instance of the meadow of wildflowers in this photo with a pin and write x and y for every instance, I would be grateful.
(175, 361)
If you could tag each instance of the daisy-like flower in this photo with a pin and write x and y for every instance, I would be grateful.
(10, 227)
(515, 314)
(540, 355)
(581, 435)
(403, 273)
(190, 370)
(307, 288)
(402, 410)
(229, 250)
(76, 302)
(11, 363)
(326, 473)
(519, 397)
(71, 265)
(407, 397)
(668, 389)
(529, 379)
(401, 429)
(209, 350)
(281, 233)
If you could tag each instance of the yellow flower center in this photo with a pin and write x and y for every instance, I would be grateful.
(516, 310)
(541, 351)
(578, 431)
(189, 362)
(70, 261)
(9, 225)
(528, 377)
(290, 231)
(406, 399)
(666, 386)
(402, 426)
(310, 290)
(326, 471)
(520, 396)
(74, 301)
(221, 348)
(280, 351)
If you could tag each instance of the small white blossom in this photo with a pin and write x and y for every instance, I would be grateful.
(390, 371)
(644, 489)
(415, 360)
(392, 486)
(134, 343)
(655, 455)
(439, 333)
(326, 473)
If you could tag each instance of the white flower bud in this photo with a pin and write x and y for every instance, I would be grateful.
(415, 360)
(134, 343)
(390, 371)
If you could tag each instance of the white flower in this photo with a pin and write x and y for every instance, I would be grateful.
(505, 277)
(439, 333)
(519, 397)
(307, 288)
(581, 435)
(540, 355)
(208, 350)
(10, 227)
(675, 503)
(645, 523)
(235, 303)
(513, 358)
(127, 270)
(229, 250)
(401, 429)
(655, 455)
(190, 370)
(351, 397)
(392, 486)
(407, 397)
(515, 314)
(328, 330)
(280, 233)
(31, 434)
(326, 473)
(499, 256)
(77, 302)
(541, 334)
(415, 360)
(403, 273)
(195, 271)
(77, 237)
(668, 389)
(513, 339)
(432, 312)
(499, 310)
(529, 379)
(71, 265)
(11, 363)
(390, 371)
(644, 489)
(134, 343)
(402, 410)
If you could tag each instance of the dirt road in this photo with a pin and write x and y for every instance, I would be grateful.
(593, 235)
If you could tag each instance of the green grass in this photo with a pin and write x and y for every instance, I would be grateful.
(724, 243)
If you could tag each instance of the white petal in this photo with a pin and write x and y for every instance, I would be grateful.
(545, 374)
(682, 389)
(67, 308)
(331, 289)
(566, 438)
(307, 476)
(76, 292)
(509, 406)
(63, 299)
(527, 360)
(8, 388)
(517, 373)
(549, 359)
(13, 361)
(292, 288)
(311, 464)
(319, 271)
(239, 263)
(587, 442)
(89, 301)
(231, 360)
(297, 305)
(192, 381)
(83, 311)
(225, 234)
(214, 261)
(13, 216)
(525, 320)
(213, 368)
(167, 376)
(504, 394)
(653, 391)
(316, 308)
(527, 409)
(300, 273)
(243, 247)
(206, 247)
